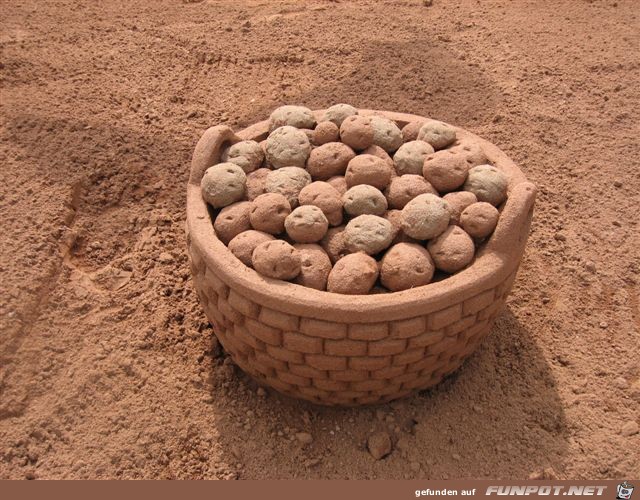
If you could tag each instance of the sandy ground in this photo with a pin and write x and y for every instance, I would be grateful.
(109, 369)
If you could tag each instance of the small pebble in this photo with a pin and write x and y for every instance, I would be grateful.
(379, 445)
(630, 428)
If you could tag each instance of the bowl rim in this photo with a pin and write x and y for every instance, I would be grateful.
(494, 262)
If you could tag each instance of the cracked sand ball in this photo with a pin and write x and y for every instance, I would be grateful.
(368, 169)
(232, 220)
(329, 160)
(386, 133)
(256, 181)
(324, 133)
(353, 274)
(333, 243)
(425, 217)
(306, 224)
(268, 213)
(487, 183)
(276, 259)
(364, 199)
(287, 147)
(453, 250)
(292, 116)
(288, 181)
(458, 201)
(380, 153)
(223, 184)
(410, 130)
(438, 134)
(338, 113)
(479, 219)
(243, 245)
(405, 188)
(472, 152)
(399, 236)
(369, 234)
(446, 170)
(339, 183)
(406, 265)
(315, 266)
(248, 155)
(357, 132)
(324, 196)
(409, 159)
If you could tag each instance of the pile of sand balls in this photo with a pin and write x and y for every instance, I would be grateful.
(353, 204)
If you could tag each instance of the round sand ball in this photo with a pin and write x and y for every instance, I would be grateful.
(268, 213)
(339, 183)
(369, 234)
(232, 220)
(406, 265)
(436, 133)
(479, 219)
(325, 132)
(445, 170)
(368, 169)
(329, 160)
(256, 183)
(452, 250)
(409, 159)
(293, 116)
(353, 274)
(276, 259)
(338, 113)
(458, 201)
(333, 243)
(405, 188)
(380, 153)
(324, 196)
(287, 147)
(315, 266)
(399, 236)
(288, 181)
(248, 155)
(386, 133)
(364, 199)
(487, 183)
(472, 152)
(243, 245)
(306, 224)
(357, 132)
(411, 129)
(425, 217)
(223, 184)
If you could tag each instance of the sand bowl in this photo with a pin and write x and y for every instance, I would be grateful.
(336, 350)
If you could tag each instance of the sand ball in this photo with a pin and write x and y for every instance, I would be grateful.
(333, 243)
(315, 266)
(339, 183)
(357, 132)
(353, 274)
(445, 170)
(479, 219)
(458, 201)
(436, 133)
(329, 160)
(368, 169)
(409, 159)
(306, 224)
(399, 236)
(248, 155)
(425, 217)
(405, 188)
(452, 250)
(287, 147)
(380, 153)
(487, 183)
(223, 184)
(325, 132)
(324, 196)
(338, 113)
(243, 245)
(293, 116)
(368, 233)
(364, 199)
(276, 259)
(268, 213)
(288, 181)
(232, 220)
(406, 265)
(256, 183)
(411, 129)
(386, 133)
(472, 152)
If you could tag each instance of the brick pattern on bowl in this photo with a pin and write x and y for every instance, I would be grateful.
(345, 364)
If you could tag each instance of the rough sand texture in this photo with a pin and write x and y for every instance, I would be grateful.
(108, 368)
